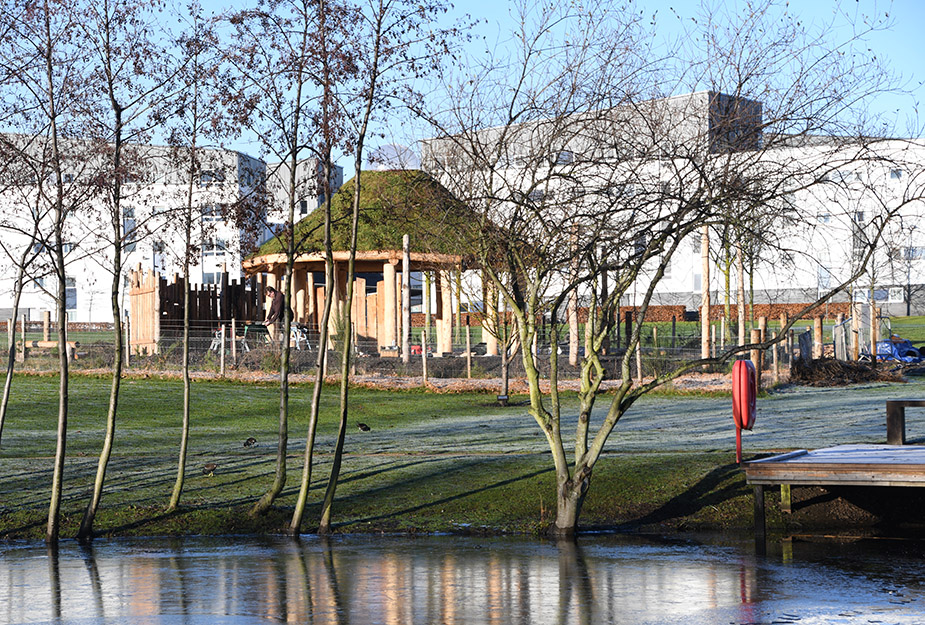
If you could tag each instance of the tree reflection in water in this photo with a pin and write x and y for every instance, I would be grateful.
(403, 580)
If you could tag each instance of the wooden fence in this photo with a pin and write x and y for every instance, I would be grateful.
(156, 306)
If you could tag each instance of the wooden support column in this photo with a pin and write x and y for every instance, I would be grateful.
(360, 307)
(406, 299)
(489, 325)
(445, 313)
(298, 302)
(389, 338)
(46, 325)
(311, 313)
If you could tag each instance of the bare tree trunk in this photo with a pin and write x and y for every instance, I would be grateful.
(705, 293)
(10, 363)
(85, 533)
(297, 515)
(54, 507)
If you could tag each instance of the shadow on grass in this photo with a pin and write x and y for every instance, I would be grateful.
(709, 491)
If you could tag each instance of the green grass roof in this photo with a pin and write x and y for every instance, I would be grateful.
(392, 204)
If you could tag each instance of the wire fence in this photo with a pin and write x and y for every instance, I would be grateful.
(219, 347)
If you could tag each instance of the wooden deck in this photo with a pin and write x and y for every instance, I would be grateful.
(844, 465)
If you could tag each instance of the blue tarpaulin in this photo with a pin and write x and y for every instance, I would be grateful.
(897, 349)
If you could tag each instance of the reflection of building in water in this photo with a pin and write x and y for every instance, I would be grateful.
(388, 582)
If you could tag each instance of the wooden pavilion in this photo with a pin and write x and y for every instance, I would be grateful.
(393, 203)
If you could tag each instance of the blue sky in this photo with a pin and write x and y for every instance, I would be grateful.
(903, 45)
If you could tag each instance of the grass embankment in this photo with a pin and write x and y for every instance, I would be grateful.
(431, 462)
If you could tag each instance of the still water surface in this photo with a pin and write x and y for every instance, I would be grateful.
(360, 580)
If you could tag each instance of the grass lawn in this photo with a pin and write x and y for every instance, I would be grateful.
(431, 462)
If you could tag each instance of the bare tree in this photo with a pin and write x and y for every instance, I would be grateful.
(46, 94)
(196, 122)
(577, 131)
(400, 43)
(131, 73)
(278, 85)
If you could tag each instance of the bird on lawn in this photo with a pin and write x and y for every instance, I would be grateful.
(363, 427)
(209, 469)
(250, 442)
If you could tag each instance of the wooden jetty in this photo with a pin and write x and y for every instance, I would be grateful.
(844, 465)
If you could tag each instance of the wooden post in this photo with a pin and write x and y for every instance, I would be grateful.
(221, 347)
(446, 327)
(655, 337)
(468, 349)
(763, 327)
(784, 320)
(712, 340)
(424, 354)
(234, 342)
(786, 502)
(705, 293)
(755, 355)
(674, 334)
(817, 337)
(406, 299)
(389, 303)
(128, 346)
(573, 328)
(46, 325)
(775, 368)
(855, 331)
(722, 333)
(489, 316)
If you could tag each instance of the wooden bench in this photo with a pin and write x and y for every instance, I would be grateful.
(896, 419)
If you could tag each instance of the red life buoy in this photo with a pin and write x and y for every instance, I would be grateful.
(744, 394)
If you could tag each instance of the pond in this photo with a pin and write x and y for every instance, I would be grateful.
(455, 580)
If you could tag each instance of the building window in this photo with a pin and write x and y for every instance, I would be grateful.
(303, 207)
(896, 174)
(70, 293)
(129, 229)
(211, 212)
(208, 176)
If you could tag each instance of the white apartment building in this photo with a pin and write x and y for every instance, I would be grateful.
(831, 195)
(154, 193)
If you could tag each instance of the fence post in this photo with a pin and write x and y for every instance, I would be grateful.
(674, 322)
(221, 358)
(128, 343)
(755, 356)
(469, 348)
(424, 354)
(46, 325)
(234, 342)
(774, 364)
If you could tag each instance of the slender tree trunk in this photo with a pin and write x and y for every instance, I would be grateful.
(298, 514)
(324, 526)
(54, 507)
(11, 361)
(85, 533)
(194, 171)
